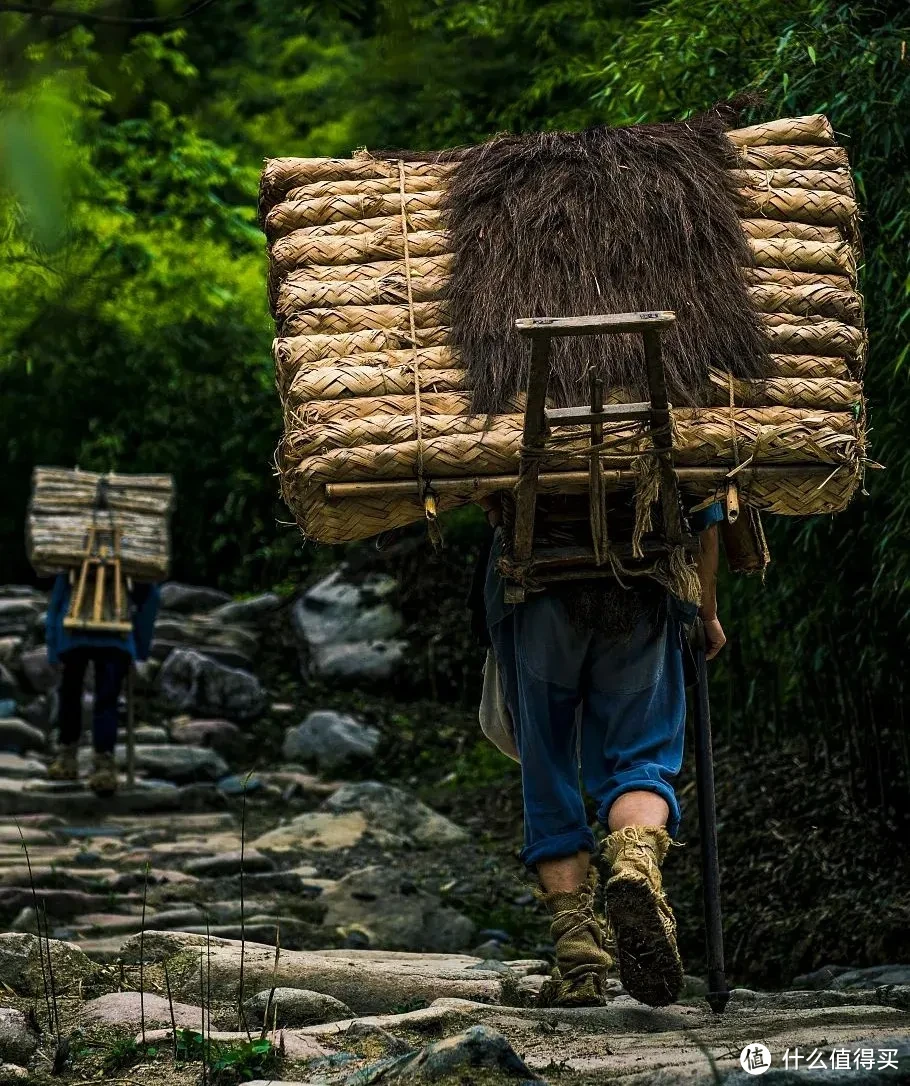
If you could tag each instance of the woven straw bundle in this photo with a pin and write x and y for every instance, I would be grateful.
(377, 404)
(65, 505)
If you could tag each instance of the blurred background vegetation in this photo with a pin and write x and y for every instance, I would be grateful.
(134, 332)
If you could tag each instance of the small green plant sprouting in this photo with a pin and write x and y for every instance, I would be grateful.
(229, 1062)
(126, 1053)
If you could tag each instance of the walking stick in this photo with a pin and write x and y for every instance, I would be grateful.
(718, 992)
(131, 726)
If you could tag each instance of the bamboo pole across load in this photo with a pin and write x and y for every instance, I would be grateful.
(784, 490)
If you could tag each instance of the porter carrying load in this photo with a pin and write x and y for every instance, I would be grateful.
(395, 284)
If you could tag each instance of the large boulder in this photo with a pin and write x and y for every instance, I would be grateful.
(386, 907)
(41, 711)
(191, 599)
(191, 682)
(330, 741)
(21, 964)
(349, 630)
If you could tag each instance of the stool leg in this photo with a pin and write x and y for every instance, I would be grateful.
(718, 993)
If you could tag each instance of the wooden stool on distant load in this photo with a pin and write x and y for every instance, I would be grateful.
(100, 601)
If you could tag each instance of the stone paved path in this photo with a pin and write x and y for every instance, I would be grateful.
(315, 897)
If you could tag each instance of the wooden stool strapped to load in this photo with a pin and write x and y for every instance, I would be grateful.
(105, 608)
(654, 476)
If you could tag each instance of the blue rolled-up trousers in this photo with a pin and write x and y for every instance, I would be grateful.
(590, 713)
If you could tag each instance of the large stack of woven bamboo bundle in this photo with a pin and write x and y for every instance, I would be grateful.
(373, 395)
(66, 504)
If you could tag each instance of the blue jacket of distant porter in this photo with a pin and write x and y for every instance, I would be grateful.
(144, 600)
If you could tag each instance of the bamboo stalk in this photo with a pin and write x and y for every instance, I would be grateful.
(417, 220)
(291, 353)
(819, 180)
(774, 228)
(791, 156)
(300, 214)
(299, 293)
(812, 129)
(816, 299)
(788, 278)
(281, 175)
(372, 186)
(793, 254)
(364, 318)
(820, 208)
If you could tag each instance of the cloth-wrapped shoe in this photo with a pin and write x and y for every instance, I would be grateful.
(103, 781)
(65, 767)
(582, 960)
(645, 929)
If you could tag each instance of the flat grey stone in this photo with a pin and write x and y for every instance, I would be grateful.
(18, 1041)
(10, 647)
(359, 660)
(295, 1007)
(175, 764)
(16, 734)
(221, 735)
(14, 765)
(387, 908)
(19, 615)
(251, 612)
(125, 1009)
(39, 674)
(330, 741)
(191, 682)
(229, 863)
(365, 982)
(477, 1047)
(191, 599)
(396, 812)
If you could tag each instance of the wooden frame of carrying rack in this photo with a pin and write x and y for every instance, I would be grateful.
(100, 601)
(573, 563)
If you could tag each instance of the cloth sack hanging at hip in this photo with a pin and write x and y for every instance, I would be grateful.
(495, 718)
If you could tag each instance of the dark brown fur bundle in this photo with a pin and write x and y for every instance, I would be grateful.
(609, 220)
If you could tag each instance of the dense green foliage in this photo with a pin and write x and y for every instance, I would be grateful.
(134, 329)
